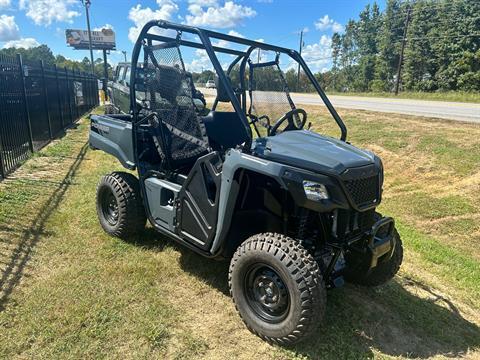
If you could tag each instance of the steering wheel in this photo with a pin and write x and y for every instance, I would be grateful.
(293, 124)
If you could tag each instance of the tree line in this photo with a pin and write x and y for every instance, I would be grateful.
(442, 48)
(43, 52)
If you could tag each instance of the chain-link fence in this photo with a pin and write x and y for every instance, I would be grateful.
(37, 103)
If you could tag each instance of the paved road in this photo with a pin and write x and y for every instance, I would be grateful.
(435, 109)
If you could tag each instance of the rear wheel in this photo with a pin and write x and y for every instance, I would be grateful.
(277, 288)
(119, 205)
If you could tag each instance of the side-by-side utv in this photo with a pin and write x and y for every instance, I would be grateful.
(293, 210)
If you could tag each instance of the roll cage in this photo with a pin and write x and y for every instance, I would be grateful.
(239, 103)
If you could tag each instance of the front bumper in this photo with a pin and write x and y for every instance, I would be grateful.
(381, 241)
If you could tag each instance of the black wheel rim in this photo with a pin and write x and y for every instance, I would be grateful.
(266, 293)
(109, 205)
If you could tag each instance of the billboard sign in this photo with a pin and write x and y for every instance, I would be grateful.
(101, 40)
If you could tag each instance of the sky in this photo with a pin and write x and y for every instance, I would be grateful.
(26, 23)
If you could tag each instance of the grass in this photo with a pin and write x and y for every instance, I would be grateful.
(457, 96)
(67, 290)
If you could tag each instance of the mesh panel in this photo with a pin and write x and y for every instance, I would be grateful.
(270, 95)
(363, 191)
(169, 90)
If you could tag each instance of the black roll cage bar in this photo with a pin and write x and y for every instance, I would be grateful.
(243, 56)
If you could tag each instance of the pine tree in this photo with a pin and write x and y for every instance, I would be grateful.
(421, 64)
(366, 41)
(336, 54)
(391, 33)
(348, 56)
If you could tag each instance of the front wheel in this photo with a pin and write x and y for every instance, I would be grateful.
(277, 288)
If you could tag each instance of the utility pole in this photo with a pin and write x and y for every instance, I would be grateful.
(300, 51)
(124, 55)
(258, 56)
(87, 5)
(400, 60)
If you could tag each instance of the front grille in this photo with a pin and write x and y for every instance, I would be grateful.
(363, 191)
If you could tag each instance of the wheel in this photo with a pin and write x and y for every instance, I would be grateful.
(119, 205)
(277, 288)
(383, 272)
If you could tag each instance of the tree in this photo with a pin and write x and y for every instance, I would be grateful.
(336, 54)
(291, 79)
(99, 68)
(391, 33)
(34, 54)
(420, 64)
(366, 42)
(348, 56)
(203, 77)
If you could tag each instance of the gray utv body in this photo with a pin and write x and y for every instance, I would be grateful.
(238, 185)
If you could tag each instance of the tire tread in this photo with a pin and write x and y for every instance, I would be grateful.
(132, 216)
(306, 273)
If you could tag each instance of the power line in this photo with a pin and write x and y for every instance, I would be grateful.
(437, 37)
(319, 58)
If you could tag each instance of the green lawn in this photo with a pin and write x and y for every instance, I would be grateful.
(459, 96)
(67, 290)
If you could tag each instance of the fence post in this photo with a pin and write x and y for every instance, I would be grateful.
(69, 96)
(75, 79)
(60, 112)
(2, 166)
(25, 102)
(73, 88)
(45, 93)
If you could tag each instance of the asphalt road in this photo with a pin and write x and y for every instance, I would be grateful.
(435, 109)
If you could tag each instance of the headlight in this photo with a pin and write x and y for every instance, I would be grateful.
(315, 191)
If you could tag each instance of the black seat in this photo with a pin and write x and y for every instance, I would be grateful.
(224, 130)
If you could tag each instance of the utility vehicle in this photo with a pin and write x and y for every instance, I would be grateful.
(292, 210)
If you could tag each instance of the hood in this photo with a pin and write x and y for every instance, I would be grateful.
(308, 150)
